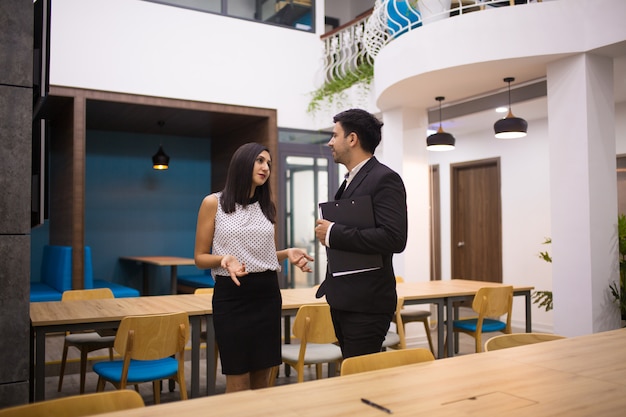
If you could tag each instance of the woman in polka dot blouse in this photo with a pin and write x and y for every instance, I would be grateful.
(235, 239)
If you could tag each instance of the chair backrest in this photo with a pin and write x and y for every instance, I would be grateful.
(518, 339)
(78, 405)
(493, 301)
(399, 323)
(92, 294)
(383, 360)
(203, 291)
(313, 324)
(152, 337)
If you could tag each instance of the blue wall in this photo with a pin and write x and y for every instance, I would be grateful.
(134, 210)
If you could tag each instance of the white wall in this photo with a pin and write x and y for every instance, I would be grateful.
(150, 49)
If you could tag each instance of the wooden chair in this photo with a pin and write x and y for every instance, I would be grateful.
(383, 360)
(85, 341)
(148, 345)
(505, 341)
(397, 339)
(203, 333)
(410, 315)
(313, 326)
(78, 405)
(489, 303)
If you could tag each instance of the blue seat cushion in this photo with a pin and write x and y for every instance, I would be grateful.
(489, 325)
(43, 292)
(119, 291)
(138, 371)
(197, 281)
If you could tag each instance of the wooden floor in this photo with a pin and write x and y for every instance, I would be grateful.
(54, 346)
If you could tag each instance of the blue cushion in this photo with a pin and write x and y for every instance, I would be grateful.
(138, 371)
(197, 281)
(56, 267)
(43, 292)
(489, 325)
(119, 291)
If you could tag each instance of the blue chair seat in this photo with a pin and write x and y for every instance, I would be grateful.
(138, 371)
(489, 325)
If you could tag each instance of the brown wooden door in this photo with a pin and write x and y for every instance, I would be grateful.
(621, 184)
(435, 224)
(476, 220)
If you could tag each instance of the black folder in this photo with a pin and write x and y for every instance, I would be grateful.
(355, 212)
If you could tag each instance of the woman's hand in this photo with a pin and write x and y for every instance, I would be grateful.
(300, 258)
(234, 268)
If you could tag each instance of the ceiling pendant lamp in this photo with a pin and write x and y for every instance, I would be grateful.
(440, 141)
(510, 127)
(160, 160)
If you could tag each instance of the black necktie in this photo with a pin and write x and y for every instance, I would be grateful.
(341, 190)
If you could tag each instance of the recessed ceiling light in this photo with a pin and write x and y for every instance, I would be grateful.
(502, 109)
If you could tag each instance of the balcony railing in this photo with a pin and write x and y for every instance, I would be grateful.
(350, 50)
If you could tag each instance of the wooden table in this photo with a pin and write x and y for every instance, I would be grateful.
(446, 294)
(581, 376)
(441, 293)
(57, 316)
(172, 261)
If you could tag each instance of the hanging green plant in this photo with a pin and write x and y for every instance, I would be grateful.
(332, 91)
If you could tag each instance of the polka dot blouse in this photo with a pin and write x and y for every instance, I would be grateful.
(246, 234)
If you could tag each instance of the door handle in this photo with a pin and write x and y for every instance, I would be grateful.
(460, 244)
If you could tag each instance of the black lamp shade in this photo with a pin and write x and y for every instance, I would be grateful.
(510, 127)
(160, 160)
(440, 141)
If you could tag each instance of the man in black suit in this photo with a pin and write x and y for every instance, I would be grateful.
(363, 303)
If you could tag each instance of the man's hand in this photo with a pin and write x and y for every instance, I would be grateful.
(321, 229)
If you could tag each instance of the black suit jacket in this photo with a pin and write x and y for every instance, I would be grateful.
(371, 291)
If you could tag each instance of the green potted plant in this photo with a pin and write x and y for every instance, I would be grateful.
(544, 298)
(619, 291)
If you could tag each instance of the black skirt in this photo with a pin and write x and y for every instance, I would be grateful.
(247, 322)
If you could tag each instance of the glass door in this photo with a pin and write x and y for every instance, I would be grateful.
(305, 182)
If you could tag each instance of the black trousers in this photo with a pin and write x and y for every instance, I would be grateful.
(360, 333)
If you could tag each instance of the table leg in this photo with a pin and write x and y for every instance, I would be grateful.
(146, 279)
(40, 364)
(210, 355)
(31, 370)
(449, 326)
(287, 336)
(529, 324)
(440, 330)
(173, 278)
(196, 328)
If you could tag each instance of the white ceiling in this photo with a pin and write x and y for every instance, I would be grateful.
(529, 110)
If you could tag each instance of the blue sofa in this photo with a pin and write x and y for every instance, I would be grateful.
(56, 276)
(189, 283)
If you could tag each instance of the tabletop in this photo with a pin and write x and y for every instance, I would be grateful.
(561, 377)
(160, 260)
(115, 309)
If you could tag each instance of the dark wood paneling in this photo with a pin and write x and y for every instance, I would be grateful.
(74, 111)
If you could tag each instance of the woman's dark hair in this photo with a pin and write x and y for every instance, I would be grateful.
(239, 182)
(365, 125)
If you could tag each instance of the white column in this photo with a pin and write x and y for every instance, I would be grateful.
(403, 149)
(581, 117)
